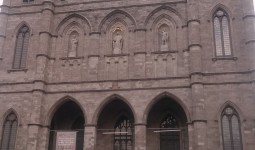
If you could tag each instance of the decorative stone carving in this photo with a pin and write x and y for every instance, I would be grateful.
(73, 45)
(71, 62)
(117, 67)
(165, 64)
(93, 63)
(165, 30)
(117, 42)
(164, 40)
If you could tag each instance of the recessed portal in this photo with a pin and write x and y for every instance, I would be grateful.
(167, 126)
(68, 120)
(115, 127)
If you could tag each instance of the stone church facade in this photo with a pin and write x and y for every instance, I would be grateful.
(127, 75)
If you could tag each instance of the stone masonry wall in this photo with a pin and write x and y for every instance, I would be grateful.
(96, 67)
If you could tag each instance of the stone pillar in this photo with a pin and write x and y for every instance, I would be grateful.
(3, 23)
(94, 43)
(190, 136)
(44, 138)
(249, 27)
(140, 136)
(90, 137)
(249, 22)
(248, 139)
(140, 40)
(197, 90)
(35, 125)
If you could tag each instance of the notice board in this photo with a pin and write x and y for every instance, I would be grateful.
(66, 141)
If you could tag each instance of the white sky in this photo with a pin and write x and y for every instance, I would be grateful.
(2, 1)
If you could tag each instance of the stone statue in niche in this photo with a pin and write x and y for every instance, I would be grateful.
(73, 46)
(164, 40)
(117, 42)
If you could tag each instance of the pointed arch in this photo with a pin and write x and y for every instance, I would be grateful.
(23, 23)
(164, 16)
(10, 110)
(78, 19)
(167, 111)
(117, 15)
(233, 105)
(74, 25)
(221, 6)
(58, 104)
(164, 10)
(9, 130)
(166, 95)
(108, 100)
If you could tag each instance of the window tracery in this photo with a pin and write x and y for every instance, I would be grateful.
(9, 132)
(222, 39)
(231, 131)
(123, 137)
(169, 134)
(22, 41)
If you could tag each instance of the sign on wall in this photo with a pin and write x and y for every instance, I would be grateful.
(66, 141)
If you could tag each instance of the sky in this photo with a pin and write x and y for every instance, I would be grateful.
(2, 1)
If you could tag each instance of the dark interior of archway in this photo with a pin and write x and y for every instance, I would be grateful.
(164, 107)
(169, 112)
(113, 113)
(68, 117)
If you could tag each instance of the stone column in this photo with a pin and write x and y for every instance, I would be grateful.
(140, 40)
(248, 139)
(44, 138)
(249, 27)
(90, 137)
(190, 136)
(35, 125)
(197, 90)
(140, 136)
(94, 43)
(3, 23)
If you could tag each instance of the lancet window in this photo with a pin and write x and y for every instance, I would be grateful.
(222, 37)
(231, 130)
(20, 55)
(9, 132)
(123, 137)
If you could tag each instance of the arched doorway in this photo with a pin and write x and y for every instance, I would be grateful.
(68, 119)
(167, 126)
(115, 127)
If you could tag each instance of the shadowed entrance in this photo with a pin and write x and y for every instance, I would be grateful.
(68, 117)
(115, 127)
(167, 126)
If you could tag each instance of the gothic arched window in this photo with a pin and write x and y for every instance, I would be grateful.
(170, 133)
(20, 54)
(9, 132)
(231, 130)
(123, 137)
(222, 37)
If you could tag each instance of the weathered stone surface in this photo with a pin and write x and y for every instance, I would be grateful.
(73, 55)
